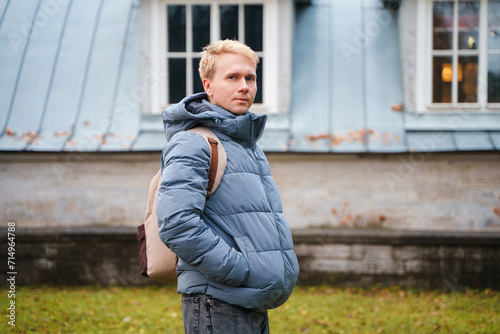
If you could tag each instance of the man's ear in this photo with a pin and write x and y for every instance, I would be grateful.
(207, 85)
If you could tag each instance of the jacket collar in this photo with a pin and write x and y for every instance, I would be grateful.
(196, 110)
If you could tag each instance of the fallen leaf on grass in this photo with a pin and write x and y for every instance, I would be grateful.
(301, 311)
(323, 323)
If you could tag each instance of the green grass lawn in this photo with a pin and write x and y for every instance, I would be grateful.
(309, 310)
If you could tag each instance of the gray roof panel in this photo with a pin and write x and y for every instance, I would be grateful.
(125, 116)
(430, 141)
(102, 78)
(30, 99)
(74, 83)
(495, 139)
(15, 33)
(150, 141)
(473, 141)
(383, 83)
(310, 110)
(346, 98)
(65, 92)
(452, 121)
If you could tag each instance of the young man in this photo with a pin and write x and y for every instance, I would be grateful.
(236, 257)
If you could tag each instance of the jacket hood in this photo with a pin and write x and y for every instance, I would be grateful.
(195, 110)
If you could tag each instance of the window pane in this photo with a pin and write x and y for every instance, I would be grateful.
(176, 28)
(494, 24)
(253, 26)
(229, 22)
(494, 79)
(201, 26)
(197, 84)
(176, 79)
(468, 24)
(442, 74)
(443, 25)
(258, 96)
(467, 79)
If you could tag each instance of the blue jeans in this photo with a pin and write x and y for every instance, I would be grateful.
(203, 314)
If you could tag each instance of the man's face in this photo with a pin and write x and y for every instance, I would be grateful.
(233, 85)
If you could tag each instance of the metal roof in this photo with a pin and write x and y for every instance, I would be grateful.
(71, 77)
(67, 70)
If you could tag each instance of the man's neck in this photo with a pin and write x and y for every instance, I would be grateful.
(220, 109)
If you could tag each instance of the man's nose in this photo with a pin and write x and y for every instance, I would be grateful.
(243, 86)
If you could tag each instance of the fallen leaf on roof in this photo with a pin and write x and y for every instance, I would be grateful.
(86, 123)
(30, 136)
(60, 133)
(397, 107)
(98, 136)
(9, 132)
(496, 211)
(386, 138)
(374, 134)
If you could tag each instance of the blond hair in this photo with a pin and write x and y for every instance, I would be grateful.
(210, 53)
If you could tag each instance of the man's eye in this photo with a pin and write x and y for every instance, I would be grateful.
(231, 77)
(250, 78)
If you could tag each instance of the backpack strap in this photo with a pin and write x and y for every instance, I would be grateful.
(218, 158)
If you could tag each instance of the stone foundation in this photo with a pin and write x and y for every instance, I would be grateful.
(104, 256)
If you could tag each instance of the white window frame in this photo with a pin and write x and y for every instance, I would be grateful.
(277, 45)
(423, 66)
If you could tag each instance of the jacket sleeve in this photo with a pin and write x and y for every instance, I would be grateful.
(181, 200)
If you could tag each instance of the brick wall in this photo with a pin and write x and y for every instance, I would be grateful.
(438, 191)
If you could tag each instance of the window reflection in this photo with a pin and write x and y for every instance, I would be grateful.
(176, 79)
(467, 87)
(494, 79)
(254, 26)
(176, 28)
(229, 21)
(201, 26)
(197, 83)
(443, 25)
(441, 79)
(494, 46)
(494, 24)
(468, 24)
(258, 96)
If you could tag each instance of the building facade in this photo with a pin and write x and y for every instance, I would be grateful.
(383, 115)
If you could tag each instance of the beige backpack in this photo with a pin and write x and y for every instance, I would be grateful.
(157, 260)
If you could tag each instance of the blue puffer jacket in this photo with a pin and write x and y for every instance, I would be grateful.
(236, 245)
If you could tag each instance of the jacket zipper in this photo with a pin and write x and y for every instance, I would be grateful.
(252, 147)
